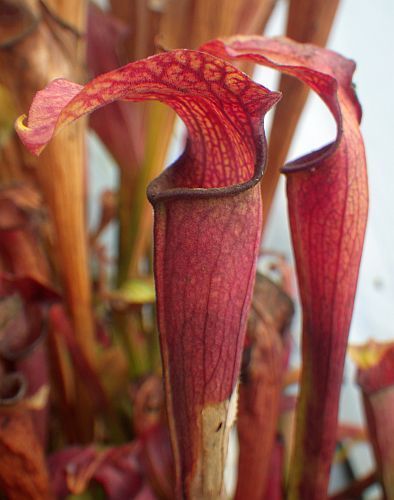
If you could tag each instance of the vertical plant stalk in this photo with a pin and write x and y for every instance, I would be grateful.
(261, 387)
(139, 220)
(64, 391)
(122, 128)
(327, 194)
(207, 232)
(50, 50)
(150, 132)
(375, 377)
(308, 21)
(286, 425)
(65, 192)
(274, 488)
(53, 48)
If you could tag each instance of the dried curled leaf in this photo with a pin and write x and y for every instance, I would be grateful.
(23, 472)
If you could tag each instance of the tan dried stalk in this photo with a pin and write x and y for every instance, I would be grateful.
(189, 23)
(135, 218)
(11, 165)
(50, 50)
(44, 41)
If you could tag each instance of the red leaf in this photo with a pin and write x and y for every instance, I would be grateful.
(375, 376)
(328, 202)
(207, 233)
(118, 470)
(274, 489)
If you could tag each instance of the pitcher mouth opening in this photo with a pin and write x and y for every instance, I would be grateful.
(165, 187)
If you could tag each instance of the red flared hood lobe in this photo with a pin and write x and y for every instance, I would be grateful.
(221, 107)
(324, 71)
